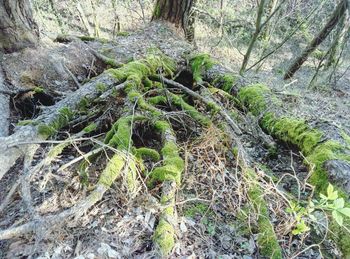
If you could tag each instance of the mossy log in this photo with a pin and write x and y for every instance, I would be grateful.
(326, 148)
(321, 143)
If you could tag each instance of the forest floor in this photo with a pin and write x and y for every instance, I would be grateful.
(213, 192)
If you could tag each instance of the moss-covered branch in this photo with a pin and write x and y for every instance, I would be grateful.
(267, 240)
(318, 146)
(170, 176)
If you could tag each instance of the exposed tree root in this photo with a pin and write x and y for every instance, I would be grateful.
(170, 175)
(12, 147)
(233, 128)
(112, 171)
(150, 98)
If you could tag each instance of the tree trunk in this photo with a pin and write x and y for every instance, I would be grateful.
(178, 13)
(258, 28)
(332, 22)
(17, 27)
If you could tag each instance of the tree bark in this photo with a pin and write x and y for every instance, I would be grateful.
(177, 12)
(18, 29)
(258, 28)
(330, 25)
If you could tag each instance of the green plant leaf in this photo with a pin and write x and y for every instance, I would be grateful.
(323, 197)
(330, 190)
(312, 217)
(301, 227)
(338, 217)
(345, 211)
(331, 194)
(339, 203)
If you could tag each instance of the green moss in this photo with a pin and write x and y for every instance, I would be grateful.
(242, 217)
(46, 130)
(164, 237)
(197, 116)
(162, 126)
(62, 119)
(213, 107)
(27, 122)
(147, 83)
(341, 236)
(235, 151)
(56, 150)
(197, 209)
(267, 239)
(159, 99)
(39, 90)
(111, 62)
(173, 165)
(137, 71)
(329, 150)
(132, 182)
(112, 171)
(254, 98)
(101, 87)
(84, 104)
(147, 153)
(225, 82)
(292, 130)
(199, 64)
(123, 33)
(225, 94)
(135, 96)
(87, 38)
(308, 140)
(120, 135)
(346, 137)
(90, 38)
(157, 11)
(90, 128)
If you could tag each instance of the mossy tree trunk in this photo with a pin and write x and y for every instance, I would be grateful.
(18, 29)
(177, 12)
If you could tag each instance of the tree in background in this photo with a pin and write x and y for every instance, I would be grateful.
(177, 12)
(336, 17)
(260, 27)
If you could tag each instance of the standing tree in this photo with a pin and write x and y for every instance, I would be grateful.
(18, 29)
(177, 12)
(260, 27)
(335, 18)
